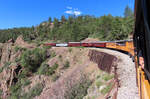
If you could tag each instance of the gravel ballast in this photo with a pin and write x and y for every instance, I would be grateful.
(126, 74)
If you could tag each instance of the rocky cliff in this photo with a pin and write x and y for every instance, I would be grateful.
(28, 71)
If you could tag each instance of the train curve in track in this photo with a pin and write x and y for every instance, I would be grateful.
(126, 75)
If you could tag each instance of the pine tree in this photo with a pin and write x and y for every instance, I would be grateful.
(50, 20)
(63, 19)
(128, 12)
(56, 23)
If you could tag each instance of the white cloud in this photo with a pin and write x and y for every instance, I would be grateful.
(69, 12)
(73, 11)
(77, 13)
(69, 7)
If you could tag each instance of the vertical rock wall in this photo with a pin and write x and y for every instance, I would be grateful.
(105, 61)
(5, 53)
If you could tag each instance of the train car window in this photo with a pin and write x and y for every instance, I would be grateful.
(121, 43)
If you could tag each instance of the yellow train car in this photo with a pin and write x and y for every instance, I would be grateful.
(142, 81)
(142, 46)
(124, 45)
(139, 47)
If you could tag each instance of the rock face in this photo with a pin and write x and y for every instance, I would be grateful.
(5, 53)
(8, 66)
(7, 75)
(105, 61)
(21, 43)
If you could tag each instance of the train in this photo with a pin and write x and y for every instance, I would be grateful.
(121, 45)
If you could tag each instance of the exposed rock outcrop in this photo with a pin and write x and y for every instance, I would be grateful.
(7, 77)
(21, 43)
(8, 67)
(6, 52)
(90, 40)
(105, 61)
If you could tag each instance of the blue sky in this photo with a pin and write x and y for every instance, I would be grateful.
(20, 13)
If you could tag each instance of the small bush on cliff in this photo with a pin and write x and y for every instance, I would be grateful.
(106, 89)
(79, 90)
(25, 81)
(15, 91)
(107, 77)
(32, 59)
(45, 69)
(53, 54)
(99, 83)
(70, 49)
(35, 91)
(66, 65)
(55, 77)
(17, 48)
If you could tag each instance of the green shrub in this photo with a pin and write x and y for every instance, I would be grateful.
(17, 59)
(45, 69)
(67, 64)
(53, 54)
(32, 59)
(107, 77)
(25, 82)
(55, 77)
(35, 91)
(70, 49)
(47, 47)
(15, 91)
(52, 69)
(99, 83)
(17, 48)
(23, 74)
(79, 90)
(38, 43)
(106, 89)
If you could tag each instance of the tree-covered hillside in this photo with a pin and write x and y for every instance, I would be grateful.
(76, 28)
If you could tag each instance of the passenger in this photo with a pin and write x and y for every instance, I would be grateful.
(141, 60)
